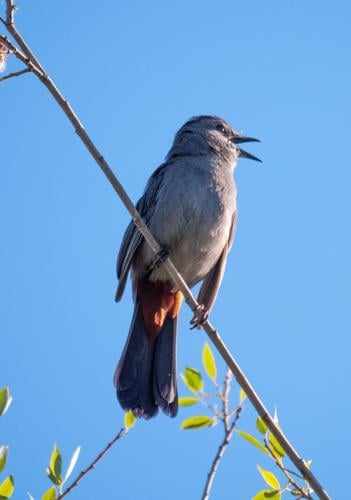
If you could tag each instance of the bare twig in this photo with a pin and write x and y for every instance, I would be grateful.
(203, 400)
(16, 73)
(228, 434)
(84, 472)
(242, 380)
(225, 396)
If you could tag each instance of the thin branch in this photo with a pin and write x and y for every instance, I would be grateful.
(179, 282)
(10, 25)
(22, 57)
(16, 73)
(84, 472)
(294, 473)
(10, 12)
(225, 396)
(203, 400)
(223, 446)
(287, 472)
(228, 431)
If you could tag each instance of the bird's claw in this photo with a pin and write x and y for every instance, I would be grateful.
(200, 317)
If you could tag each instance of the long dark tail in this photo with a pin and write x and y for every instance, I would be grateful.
(145, 376)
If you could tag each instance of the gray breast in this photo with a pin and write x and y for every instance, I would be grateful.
(192, 219)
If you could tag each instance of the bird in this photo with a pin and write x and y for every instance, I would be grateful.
(189, 205)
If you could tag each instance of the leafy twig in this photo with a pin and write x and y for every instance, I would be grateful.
(287, 472)
(84, 472)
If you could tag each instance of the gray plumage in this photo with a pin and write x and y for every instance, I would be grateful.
(189, 205)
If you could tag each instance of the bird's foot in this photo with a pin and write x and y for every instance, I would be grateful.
(159, 259)
(200, 316)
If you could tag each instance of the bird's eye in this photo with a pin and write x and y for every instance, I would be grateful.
(221, 128)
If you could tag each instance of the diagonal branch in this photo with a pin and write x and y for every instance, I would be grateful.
(84, 472)
(12, 49)
(179, 282)
(10, 25)
(16, 73)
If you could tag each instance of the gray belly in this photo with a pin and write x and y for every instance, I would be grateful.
(194, 230)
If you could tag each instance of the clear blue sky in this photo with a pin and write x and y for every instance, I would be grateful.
(134, 72)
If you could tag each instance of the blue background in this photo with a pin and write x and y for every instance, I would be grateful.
(134, 72)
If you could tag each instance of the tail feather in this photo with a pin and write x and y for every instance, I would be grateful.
(145, 377)
(165, 368)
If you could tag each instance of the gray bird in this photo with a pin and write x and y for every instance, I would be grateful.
(189, 205)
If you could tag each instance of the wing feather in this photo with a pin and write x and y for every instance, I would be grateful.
(132, 238)
(210, 285)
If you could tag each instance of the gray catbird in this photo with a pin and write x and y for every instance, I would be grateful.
(189, 204)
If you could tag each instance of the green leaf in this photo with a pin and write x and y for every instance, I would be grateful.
(276, 447)
(269, 477)
(187, 401)
(56, 461)
(4, 450)
(266, 494)
(193, 379)
(242, 395)
(55, 467)
(7, 487)
(72, 464)
(209, 362)
(261, 426)
(50, 494)
(308, 463)
(129, 420)
(295, 493)
(52, 478)
(197, 422)
(253, 440)
(5, 400)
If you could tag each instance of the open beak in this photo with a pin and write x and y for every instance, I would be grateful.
(238, 139)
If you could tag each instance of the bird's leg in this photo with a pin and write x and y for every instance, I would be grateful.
(159, 259)
(200, 316)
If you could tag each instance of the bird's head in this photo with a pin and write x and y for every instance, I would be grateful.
(207, 133)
